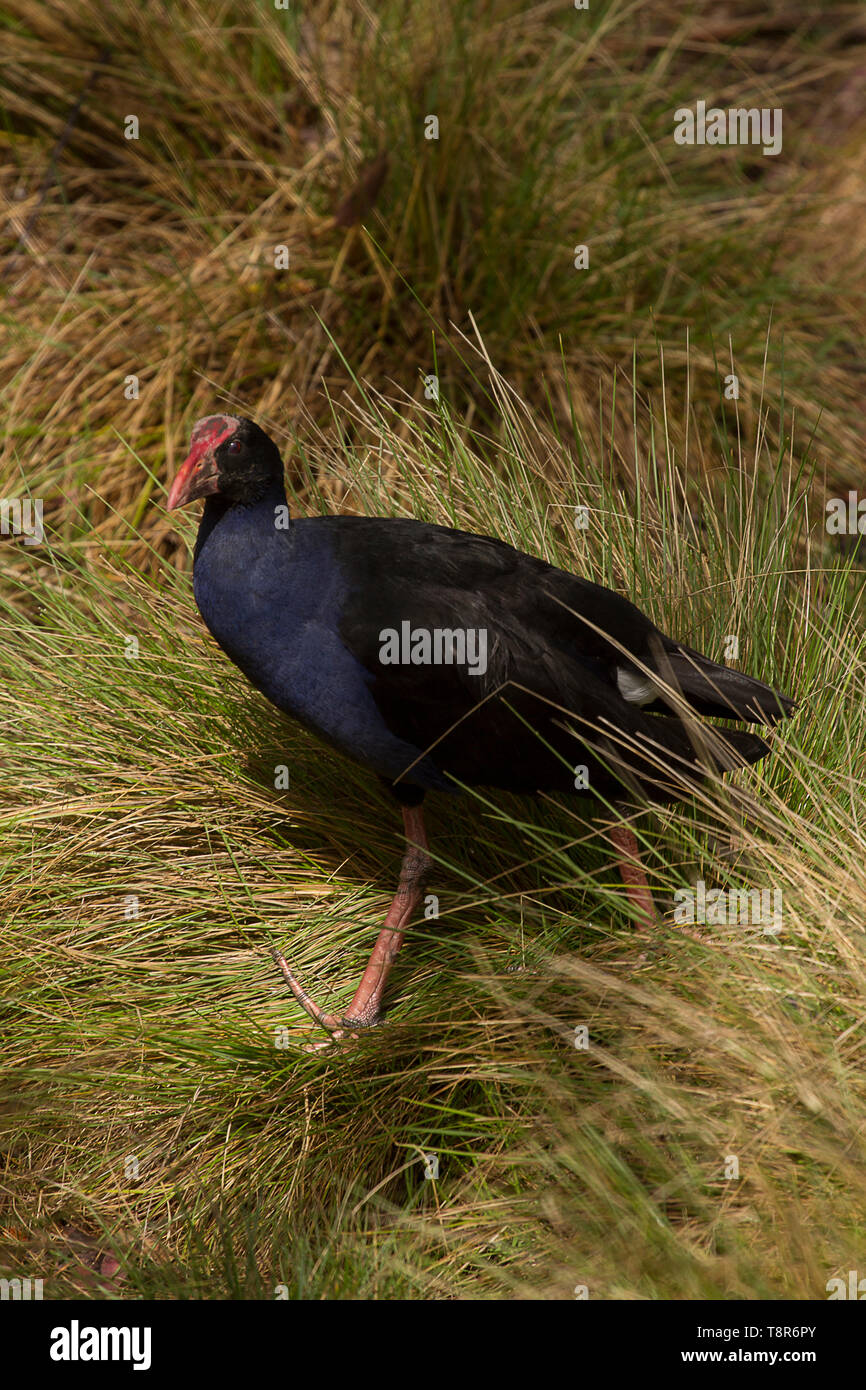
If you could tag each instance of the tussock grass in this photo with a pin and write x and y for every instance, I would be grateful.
(151, 1040)
(169, 1038)
(155, 257)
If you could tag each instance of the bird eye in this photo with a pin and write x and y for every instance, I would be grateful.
(235, 446)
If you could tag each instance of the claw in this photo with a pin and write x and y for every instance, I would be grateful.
(368, 996)
(329, 1022)
(339, 1030)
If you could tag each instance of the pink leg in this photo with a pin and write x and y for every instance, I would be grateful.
(363, 1012)
(625, 843)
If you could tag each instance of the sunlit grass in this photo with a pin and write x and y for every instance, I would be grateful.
(145, 1100)
(169, 1038)
(155, 257)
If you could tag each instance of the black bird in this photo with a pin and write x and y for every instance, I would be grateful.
(438, 658)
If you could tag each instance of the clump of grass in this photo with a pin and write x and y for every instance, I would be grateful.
(154, 1089)
(154, 257)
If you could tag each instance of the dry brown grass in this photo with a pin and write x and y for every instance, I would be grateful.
(156, 1036)
(151, 256)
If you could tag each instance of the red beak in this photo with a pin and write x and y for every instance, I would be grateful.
(193, 480)
(199, 472)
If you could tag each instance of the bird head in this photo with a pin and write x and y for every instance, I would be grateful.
(229, 455)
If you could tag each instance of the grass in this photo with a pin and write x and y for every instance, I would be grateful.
(154, 257)
(158, 1110)
(168, 1037)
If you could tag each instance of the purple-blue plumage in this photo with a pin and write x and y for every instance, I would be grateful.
(435, 657)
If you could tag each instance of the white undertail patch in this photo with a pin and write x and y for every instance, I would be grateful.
(635, 688)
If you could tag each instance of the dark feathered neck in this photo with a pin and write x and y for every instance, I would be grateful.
(261, 510)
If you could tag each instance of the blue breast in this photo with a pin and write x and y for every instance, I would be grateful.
(272, 599)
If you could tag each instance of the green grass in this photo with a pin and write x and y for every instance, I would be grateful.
(154, 256)
(154, 1037)
(170, 1038)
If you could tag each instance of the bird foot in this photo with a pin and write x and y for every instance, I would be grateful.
(342, 1036)
(341, 1030)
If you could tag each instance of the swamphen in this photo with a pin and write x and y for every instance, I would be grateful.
(436, 657)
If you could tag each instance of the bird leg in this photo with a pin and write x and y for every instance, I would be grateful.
(625, 843)
(363, 1012)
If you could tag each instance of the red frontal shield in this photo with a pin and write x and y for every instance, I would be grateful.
(199, 473)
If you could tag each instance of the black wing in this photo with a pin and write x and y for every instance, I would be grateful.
(556, 649)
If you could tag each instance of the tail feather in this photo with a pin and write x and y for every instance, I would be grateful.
(717, 690)
(660, 756)
(723, 749)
